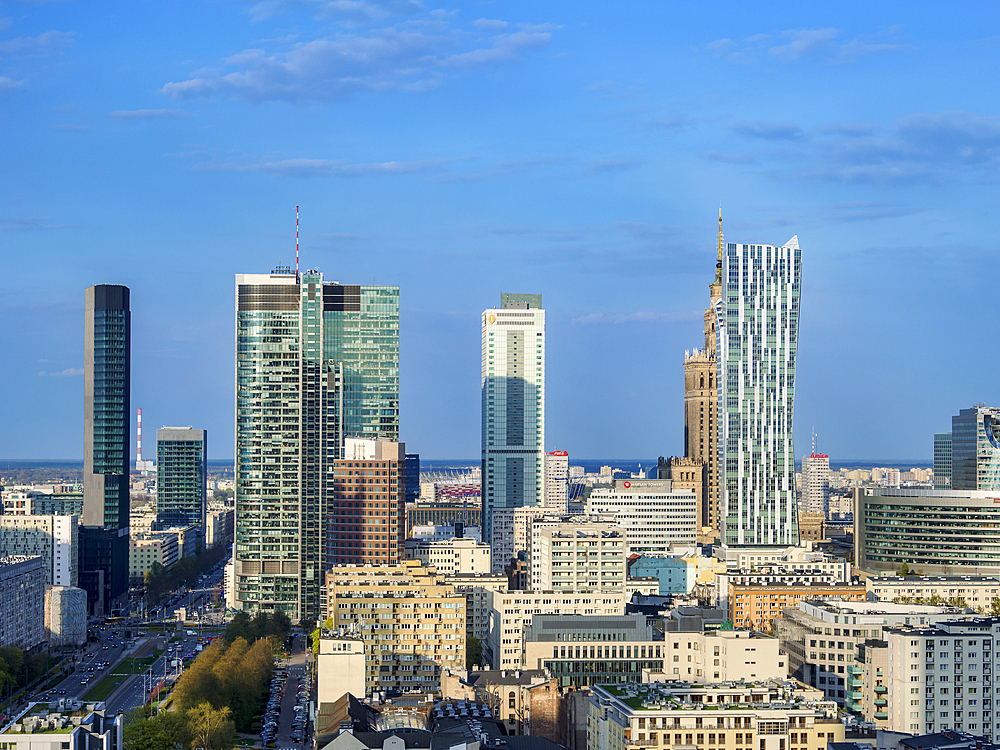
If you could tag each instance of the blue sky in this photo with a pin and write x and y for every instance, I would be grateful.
(577, 150)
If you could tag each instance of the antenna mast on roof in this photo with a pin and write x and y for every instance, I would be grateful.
(296, 243)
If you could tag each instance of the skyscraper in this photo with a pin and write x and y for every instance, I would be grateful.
(513, 405)
(758, 323)
(942, 460)
(975, 449)
(182, 478)
(316, 363)
(103, 569)
(701, 400)
(557, 480)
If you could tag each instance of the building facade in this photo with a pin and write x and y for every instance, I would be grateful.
(758, 323)
(447, 556)
(56, 539)
(316, 363)
(366, 513)
(933, 532)
(657, 518)
(751, 716)
(557, 481)
(975, 449)
(182, 478)
(438, 513)
(512, 611)
(411, 621)
(509, 533)
(103, 568)
(570, 556)
(976, 592)
(22, 591)
(513, 405)
(815, 484)
(942, 460)
(146, 549)
(757, 606)
(701, 404)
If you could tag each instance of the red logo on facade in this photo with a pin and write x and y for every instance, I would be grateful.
(628, 484)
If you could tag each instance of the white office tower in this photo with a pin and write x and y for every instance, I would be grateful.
(658, 519)
(557, 481)
(816, 483)
(513, 389)
(758, 323)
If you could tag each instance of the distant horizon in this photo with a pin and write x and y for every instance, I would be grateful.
(920, 463)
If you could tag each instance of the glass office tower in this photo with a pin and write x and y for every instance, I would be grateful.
(315, 363)
(975, 449)
(103, 569)
(182, 478)
(758, 324)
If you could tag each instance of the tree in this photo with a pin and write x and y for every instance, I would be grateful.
(904, 570)
(995, 607)
(143, 731)
(473, 651)
(211, 728)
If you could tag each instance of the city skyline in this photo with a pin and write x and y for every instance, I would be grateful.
(578, 152)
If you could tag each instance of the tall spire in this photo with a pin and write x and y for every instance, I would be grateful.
(720, 234)
(718, 262)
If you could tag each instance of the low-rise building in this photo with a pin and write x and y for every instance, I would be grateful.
(340, 666)
(526, 701)
(411, 620)
(824, 639)
(447, 556)
(39, 727)
(978, 592)
(571, 556)
(582, 650)
(146, 549)
(757, 606)
(26, 501)
(675, 575)
(772, 715)
(777, 574)
(657, 518)
(476, 588)
(53, 538)
(22, 592)
(511, 613)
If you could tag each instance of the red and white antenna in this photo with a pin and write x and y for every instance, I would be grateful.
(296, 242)
(138, 440)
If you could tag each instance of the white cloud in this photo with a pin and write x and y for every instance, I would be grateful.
(490, 24)
(324, 167)
(8, 84)
(67, 373)
(411, 57)
(133, 115)
(795, 44)
(47, 43)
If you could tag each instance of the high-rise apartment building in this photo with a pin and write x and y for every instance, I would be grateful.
(816, 483)
(366, 515)
(658, 518)
(701, 404)
(182, 478)
(513, 397)
(758, 323)
(316, 363)
(103, 569)
(557, 481)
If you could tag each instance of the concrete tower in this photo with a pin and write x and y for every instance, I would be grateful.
(513, 405)
(701, 427)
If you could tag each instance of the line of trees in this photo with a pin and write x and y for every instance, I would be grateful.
(234, 676)
(203, 726)
(262, 625)
(18, 669)
(160, 581)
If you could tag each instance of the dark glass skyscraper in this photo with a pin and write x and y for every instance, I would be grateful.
(975, 449)
(106, 420)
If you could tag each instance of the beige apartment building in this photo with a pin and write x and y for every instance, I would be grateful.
(977, 592)
(772, 715)
(447, 556)
(572, 556)
(412, 622)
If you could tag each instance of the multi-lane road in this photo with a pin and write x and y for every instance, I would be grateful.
(98, 660)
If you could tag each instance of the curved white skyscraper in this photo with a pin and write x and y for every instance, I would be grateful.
(758, 326)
